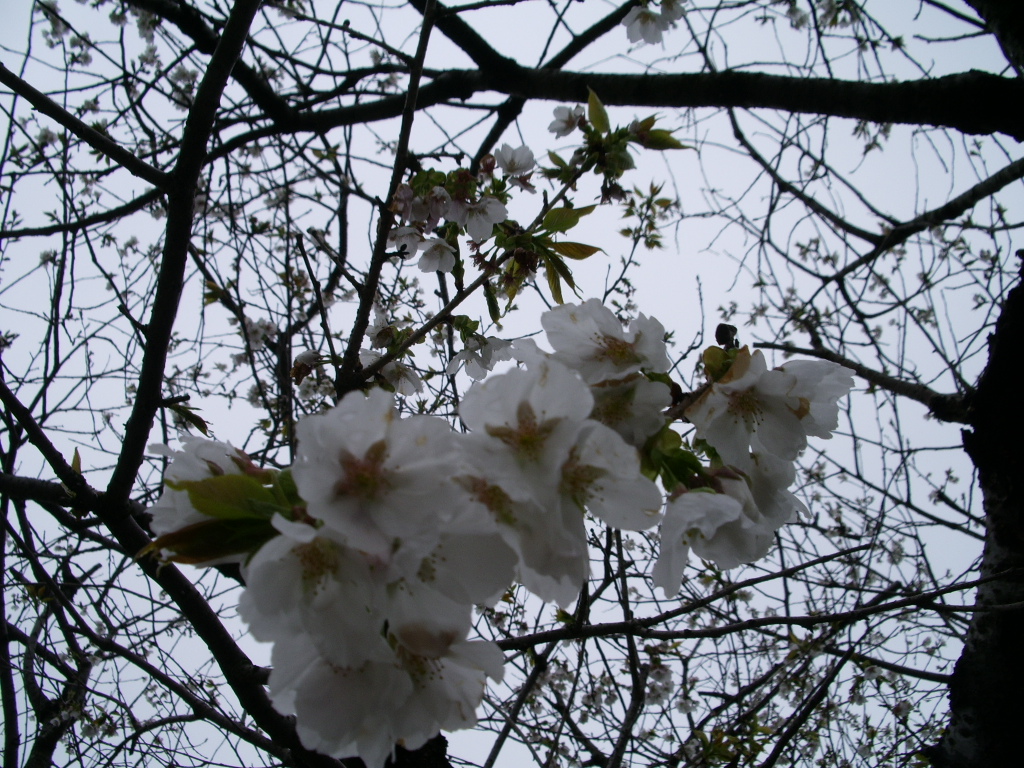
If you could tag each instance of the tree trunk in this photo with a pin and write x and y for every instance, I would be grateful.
(986, 693)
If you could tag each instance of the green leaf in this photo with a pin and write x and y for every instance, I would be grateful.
(557, 270)
(76, 462)
(554, 285)
(577, 251)
(228, 497)
(564, 219)
(596, 113)
(189, 414)
(212, 540)
(492, 303)
(660, 140)
(286, 484)
(465, 325)
(562, 268)
(559, 162)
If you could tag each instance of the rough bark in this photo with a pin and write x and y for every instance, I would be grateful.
(1005, 20)
(986, 689)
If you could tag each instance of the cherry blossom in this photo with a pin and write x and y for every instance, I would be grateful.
(672, 10)
(478, 218)
(549, 538)
(515, 162)
(405, 240)
(590, 339)
(431, 209)
(479, 355)
(380, 332)
(376, 479)
(643, 23)
(524, 424)
(602, 474)
(403, 379)
(321, 588)
(634, 407)
(567, 120)
(726, 528)
(437, 256)
(782, 406)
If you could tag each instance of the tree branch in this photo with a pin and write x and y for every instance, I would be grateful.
(103, 144)
(180, 203)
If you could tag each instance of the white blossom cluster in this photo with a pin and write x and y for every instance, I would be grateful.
(644, 23)
(757, 420)
(363, 562)
(476, 214)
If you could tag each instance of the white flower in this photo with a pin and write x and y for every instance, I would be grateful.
(340, 711)
(782, 406)
(437, 256)
(672, 10)
(433, 208)
(318, 587)
(549, 538)
(770, 478)
(378, 480)
(478, 218)
(524, 424)
(380, 332)
(471, 568)
(602, 474)
(403, 201)
(688, 517)
(633, 407)
(428, 678)
(515, 162)
(403, 379)
(538, 463)
(480, 355)
(590, 339)
(642, 23)
(405, 240)
(728, 528)
(567, 119)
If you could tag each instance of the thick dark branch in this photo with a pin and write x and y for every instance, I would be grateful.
(972, 102)
(103, 144)
(984, 694)
(1005, 20)
(32, 489)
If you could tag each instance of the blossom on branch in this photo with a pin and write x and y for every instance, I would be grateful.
(567, 120)
(378, 480)
(478, 218)
(780, 406)
(589, 338)
(645, 24)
